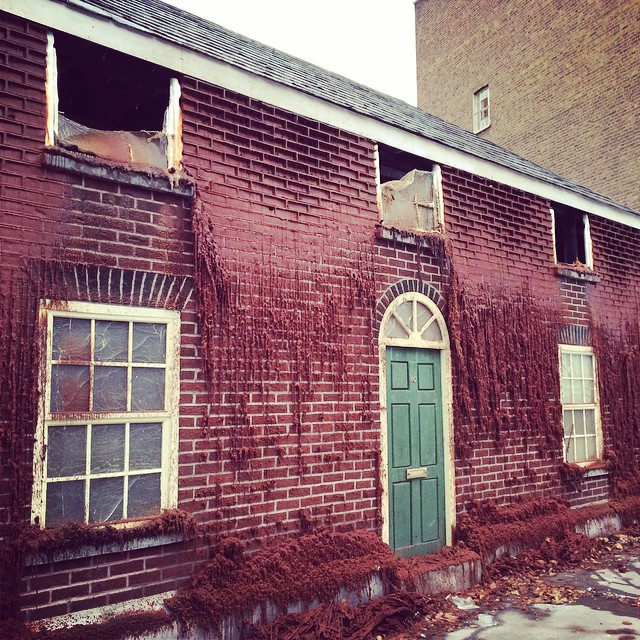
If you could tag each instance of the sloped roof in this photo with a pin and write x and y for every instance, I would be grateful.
(192, 32)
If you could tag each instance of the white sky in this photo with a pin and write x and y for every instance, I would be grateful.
(371, 41)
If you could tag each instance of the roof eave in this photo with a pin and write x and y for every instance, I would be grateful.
(83, 20)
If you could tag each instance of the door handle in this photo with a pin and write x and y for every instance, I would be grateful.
(420, 472)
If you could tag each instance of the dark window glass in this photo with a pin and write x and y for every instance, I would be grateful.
(569, 235)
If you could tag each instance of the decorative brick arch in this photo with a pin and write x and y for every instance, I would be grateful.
(406, 286)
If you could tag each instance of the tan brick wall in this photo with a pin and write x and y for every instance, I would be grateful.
(564, 77)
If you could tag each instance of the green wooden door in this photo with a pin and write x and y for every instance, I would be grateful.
(416, 451)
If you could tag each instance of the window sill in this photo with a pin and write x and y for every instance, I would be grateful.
(90, 550)
(86, 165)
(75, 541)
(574, 272)
(592, 469)
(596, 472)
(413, 237)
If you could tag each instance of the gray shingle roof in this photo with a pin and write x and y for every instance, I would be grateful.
(192, 32)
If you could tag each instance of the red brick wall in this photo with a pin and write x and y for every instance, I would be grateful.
(562, 76)
(286, 436)
(500, 236)
(56, 217)
(616, 256)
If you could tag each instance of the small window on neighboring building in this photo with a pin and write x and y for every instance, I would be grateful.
(580, 410)
(409, 191)
(104, 103)
(107, 438)
(571, 236)
(481, 109)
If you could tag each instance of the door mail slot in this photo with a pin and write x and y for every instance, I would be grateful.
(420, 472)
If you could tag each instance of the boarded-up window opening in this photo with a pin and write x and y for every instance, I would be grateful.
(105, 103)
(409, 192)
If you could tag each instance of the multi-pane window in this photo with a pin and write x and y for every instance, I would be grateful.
(109, 414)
(481, 110)
(579, 395)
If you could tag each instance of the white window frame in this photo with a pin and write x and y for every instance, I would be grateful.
(594, 406)
(168, 416)
(480, 121)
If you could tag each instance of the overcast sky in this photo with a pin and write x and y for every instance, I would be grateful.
(371, 41)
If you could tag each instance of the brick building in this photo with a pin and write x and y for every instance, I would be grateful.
(562, 80)
(244, 296)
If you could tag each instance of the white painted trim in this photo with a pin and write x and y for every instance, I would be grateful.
(51, 91)
(104, 30)
(553, 235)
(376, 162)
(447, 409)
(172, 127)
(438, 197)
(588, 245)
(169, 416)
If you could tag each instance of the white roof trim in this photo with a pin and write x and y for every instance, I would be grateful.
(104, 30)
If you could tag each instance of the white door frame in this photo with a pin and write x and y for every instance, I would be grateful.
(415, 341)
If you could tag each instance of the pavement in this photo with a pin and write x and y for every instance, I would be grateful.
(601, 601)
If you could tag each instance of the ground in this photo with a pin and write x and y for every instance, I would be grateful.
(599, 597)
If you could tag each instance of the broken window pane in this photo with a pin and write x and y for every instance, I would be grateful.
(568, 424)
(405, 313)
(69, 388)
(432, 332)
(111, 341)
(149, 342)
(65, 502)
(144, 495)
(145, 446)
(423, 316)
(71, 339)
(110, 389)
(107, 448)
(66, 451)
(394, 329)
(147, 389)
(105, 499)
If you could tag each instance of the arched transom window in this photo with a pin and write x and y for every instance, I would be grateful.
(413, 319)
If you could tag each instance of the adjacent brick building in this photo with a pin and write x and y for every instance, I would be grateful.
(206, 331)
(563, 80)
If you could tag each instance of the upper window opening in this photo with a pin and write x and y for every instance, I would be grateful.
(109, 411)
(394, 164)
(571, 236)
(409, 192)
(111, 105)
(481, 109)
